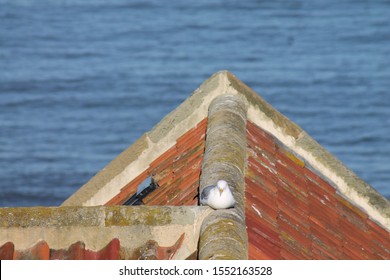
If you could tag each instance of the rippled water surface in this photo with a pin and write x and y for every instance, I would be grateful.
(82, 80)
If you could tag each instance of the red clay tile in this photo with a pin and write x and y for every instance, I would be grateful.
(167, 253)
(267, 250)
(354, 234)
(202, 124)
(159, 196)
(132, 186)
(291, 241)
(299, 222)
(299, 233)
(263, 229)
(74, 252)
(178, 172)
(109, 252)
(292, 254)
(315, 181)
(284, 181)
(164, 178)
(119, 199)
(379, 235)
(268, 183)
(254, 253)
(189, 141)
(193, 161)
(326, 223)
(39, 251)
(266, 216)
(265, 202)
(312, 219)
(327, 241)
(352, 213)
(199, 129)
(191, 172)
(259, 136)
(188, 147)
(378, 248)
(173, 194)
(164, 160)
(374, 226)
(128, 190)
(380, 238)
(353, 251)
(262, 192)
(322, 197)
(289, 159)
(323, 252)
(300, 219)
(263, 155)
(266, 168)
(323, 214)
(7, 251)
(257, 165)
(292, 199)
(191, 134)
(188, 195)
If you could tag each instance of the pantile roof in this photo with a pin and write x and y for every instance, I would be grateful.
(294, 200)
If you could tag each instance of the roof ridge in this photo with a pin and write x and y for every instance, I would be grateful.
(135, 159)
(225, 159)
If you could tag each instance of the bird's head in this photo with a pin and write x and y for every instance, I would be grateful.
(222, 185)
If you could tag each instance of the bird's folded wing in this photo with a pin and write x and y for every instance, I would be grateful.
(205, 194)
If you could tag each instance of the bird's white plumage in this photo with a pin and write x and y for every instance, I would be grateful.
(218, 197)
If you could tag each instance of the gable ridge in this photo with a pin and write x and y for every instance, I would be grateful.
(136, 159)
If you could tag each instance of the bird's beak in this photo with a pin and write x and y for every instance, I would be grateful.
(220, 191)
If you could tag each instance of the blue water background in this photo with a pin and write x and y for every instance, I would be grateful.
(82, 80)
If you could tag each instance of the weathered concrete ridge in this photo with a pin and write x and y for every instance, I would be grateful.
(96, 226)
(223, 233)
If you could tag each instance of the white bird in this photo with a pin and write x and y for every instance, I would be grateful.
(217, 197)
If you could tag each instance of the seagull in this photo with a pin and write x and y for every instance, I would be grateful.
(217, 197)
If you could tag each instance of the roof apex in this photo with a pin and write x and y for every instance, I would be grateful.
(136, 159)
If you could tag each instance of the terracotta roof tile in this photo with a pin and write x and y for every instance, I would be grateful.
(110, 252)
(316, 182)
(39, 251)
(151, 250)
(182, 161)
(294, 207)
(7, 251)
(76, 251)
(128, 189)
(264, 250)
(164, 161)
(264, 228)
(288, 202)
(352, 213)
